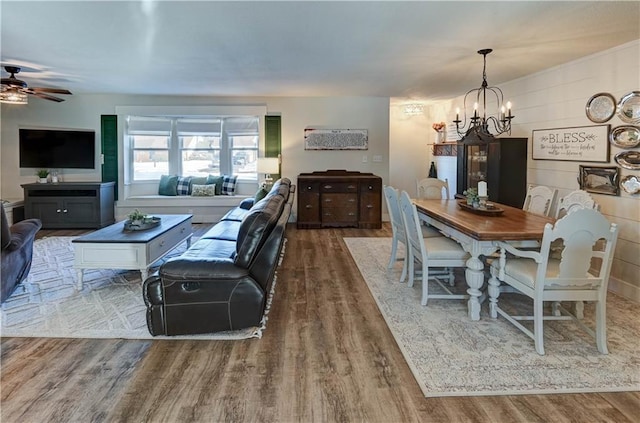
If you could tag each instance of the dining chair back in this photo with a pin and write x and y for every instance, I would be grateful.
(540, 200)
(397, 227)
(580, 273)
(432, 188)
(575, 200)
(432, 252)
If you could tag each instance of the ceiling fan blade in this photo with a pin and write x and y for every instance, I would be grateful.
(51, 90)
(47, 97)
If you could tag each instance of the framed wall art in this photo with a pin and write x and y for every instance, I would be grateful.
(579, 144)
(336, 139)
(600, 180)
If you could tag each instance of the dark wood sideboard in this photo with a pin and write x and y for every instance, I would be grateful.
(339, 198)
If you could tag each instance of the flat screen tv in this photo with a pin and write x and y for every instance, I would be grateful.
(57, 149)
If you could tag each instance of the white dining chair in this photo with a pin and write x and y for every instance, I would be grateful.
(398, 229)
(586, 234)
(438, 252)
(575, 200)
(540, 200)
(432, 188)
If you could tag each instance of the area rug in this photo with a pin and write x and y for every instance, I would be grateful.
(450, 355)
(47, 304)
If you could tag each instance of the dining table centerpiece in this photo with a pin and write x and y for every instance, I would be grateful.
(472, 196)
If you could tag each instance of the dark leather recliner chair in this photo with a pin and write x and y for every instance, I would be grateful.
(17, 251)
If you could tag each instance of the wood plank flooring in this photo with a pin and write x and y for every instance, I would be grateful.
(326, 356)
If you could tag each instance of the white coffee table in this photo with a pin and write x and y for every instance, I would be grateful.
(114, 248)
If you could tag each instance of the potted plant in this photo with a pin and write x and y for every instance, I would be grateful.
(136, 217)
(42, 175)
(472, 195)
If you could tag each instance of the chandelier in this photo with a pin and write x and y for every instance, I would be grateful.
(480, 123)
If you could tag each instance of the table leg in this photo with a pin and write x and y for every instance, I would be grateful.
(80, 273)
(475, 278)
(144, 273)
(494, 285)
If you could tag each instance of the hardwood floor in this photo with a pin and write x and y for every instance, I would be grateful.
(326, 356)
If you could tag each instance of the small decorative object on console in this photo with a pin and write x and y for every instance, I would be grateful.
(139, 221)
(42, 175)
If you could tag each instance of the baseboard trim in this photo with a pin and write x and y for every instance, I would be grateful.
(624, 289)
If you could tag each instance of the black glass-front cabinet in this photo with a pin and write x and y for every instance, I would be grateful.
(501, 162)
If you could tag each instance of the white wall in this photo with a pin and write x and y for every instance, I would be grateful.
(83, 111)
(554, 98)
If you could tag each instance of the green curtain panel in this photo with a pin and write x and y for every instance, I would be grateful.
(109, 144)
(273, 133)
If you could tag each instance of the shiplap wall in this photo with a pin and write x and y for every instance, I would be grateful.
(557, 98)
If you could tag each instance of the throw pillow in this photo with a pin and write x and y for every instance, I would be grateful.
(182, 187)
(229, 184)
(216, 180)
(197, 180)
(262, 192)
(203, 190)
(168, 185)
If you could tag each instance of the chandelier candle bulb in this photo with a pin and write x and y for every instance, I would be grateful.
(482, 189)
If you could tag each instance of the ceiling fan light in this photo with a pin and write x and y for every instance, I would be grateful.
(13, 97)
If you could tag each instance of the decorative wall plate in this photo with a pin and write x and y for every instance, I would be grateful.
(601, 107)
(629, 108)
(628, 159)
(630, 184)
(625, 136)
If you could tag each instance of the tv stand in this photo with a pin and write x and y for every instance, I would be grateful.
(68, 205)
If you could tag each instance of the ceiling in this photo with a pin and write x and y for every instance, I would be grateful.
(391, 49)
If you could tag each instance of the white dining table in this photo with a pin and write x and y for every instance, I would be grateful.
(478, 232)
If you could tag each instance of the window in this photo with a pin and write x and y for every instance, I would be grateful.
(196, 146)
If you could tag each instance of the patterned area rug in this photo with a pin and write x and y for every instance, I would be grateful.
(451, 355)
(47, 304)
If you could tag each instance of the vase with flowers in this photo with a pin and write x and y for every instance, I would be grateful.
(439, 127)
(472, 196)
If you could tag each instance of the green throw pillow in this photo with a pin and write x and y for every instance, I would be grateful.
(260, 195)
(197, 180)
(168, 185)
(215, 180)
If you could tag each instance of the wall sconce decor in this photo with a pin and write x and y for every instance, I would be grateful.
(413, 109)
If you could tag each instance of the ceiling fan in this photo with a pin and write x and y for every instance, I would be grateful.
(15, 90)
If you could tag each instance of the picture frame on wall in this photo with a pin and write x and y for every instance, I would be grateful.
(336, 139)
(600, 179)
(577, 143)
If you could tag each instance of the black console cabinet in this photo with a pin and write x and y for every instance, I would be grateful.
(501, 162)
(70, 204)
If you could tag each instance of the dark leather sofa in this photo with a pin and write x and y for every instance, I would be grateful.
(17, 251)
(223, 280)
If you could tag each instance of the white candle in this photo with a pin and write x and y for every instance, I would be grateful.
(482, 189)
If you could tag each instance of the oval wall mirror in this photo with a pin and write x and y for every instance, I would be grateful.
(626, 136)
(629, 108)
(628, 160)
